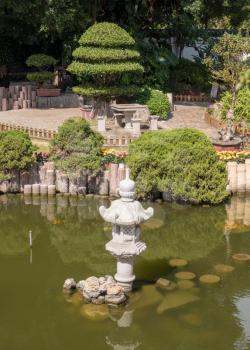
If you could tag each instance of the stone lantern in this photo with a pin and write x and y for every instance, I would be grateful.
(125, 214)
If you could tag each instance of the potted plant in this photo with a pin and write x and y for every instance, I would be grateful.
(43, 77)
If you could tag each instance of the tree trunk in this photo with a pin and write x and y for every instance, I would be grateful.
(101, 108)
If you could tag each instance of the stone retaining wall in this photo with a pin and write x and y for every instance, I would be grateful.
(239, 176)
(47, 180)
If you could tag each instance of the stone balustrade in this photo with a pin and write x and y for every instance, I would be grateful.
(191, 98)
(238, 176)
(43, 134)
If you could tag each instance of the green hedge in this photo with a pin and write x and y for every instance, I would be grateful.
(182, 162)
(106, 34)
(156, 101)
(16, 152)
(76, 146)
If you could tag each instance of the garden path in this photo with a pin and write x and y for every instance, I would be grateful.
(189, 116)
(185, 116)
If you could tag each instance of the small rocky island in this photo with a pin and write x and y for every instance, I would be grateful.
(125, 214)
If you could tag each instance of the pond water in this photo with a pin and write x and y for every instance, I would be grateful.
(68, 241)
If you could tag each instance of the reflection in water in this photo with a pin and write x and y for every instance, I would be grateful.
(69, 239)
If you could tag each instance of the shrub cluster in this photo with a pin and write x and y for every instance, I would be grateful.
(106, 63)
(16, 153)
(76, 146)
(157, 102)
(182, 162)
(241, 107)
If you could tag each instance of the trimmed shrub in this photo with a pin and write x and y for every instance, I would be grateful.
(157, 102)
(41, 62)
(182, 162)
(16, 153)
(76, 146)
(241, 107)
(107, 62)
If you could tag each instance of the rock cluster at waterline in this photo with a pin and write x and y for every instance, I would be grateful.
(97, 290)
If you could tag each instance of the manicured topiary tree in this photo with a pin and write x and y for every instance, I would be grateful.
(76, 146)
(106, 64)
(41, 62)
(182, 162)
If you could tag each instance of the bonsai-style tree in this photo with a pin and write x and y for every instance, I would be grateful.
(227, 60)
(106, 64)
(42, 63)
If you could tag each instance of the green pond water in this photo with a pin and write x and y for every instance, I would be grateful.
(68, 241)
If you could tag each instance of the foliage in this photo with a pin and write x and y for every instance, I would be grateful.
(112, 156)
(244, 80)
(182, 162)
(40, 77)
(40, 60)
(94, 91)
(76, 146)
(157, 60)
(188, 75)
(241, 109)
(95, 54)
(16, 152)
(107, 62)
(106, 35)
(239, 157)
(157, 102)
(226, 61)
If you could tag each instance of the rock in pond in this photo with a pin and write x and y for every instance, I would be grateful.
(209, 279)
(176, 299)
(177, 262)
(222, 268)
(163, 282)
(185, 275)
(69, 284)
(241, 257)
(185, 284)
(149, 296)
(94, 312)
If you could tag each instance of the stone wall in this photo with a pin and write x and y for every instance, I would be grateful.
(238, 176)
(47, 180)
(25, 96)
(62, 101)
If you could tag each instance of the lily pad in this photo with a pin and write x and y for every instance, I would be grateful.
(209, 279)
(185, 275)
